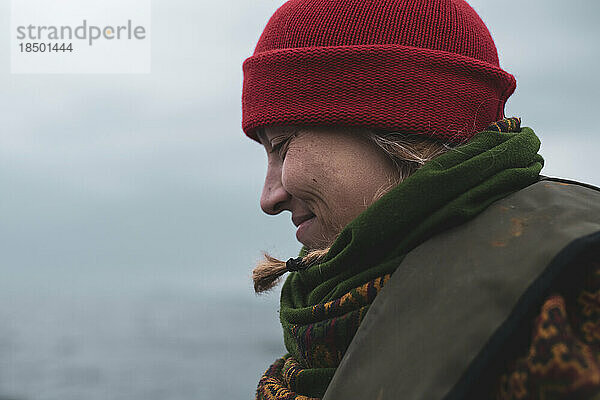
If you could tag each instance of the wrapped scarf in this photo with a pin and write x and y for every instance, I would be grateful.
(323, 305)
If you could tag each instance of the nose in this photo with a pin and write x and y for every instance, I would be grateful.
(274, 197)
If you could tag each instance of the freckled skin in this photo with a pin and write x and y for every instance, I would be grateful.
(327, 173)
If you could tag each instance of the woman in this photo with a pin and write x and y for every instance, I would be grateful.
(436, 261)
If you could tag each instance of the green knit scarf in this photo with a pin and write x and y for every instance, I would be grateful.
(323, 305)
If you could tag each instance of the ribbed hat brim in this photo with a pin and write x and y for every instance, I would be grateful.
(390, 87)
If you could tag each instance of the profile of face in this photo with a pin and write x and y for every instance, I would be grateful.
(324, 176)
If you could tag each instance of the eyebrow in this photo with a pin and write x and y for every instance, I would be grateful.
(290, 130)
(262, 136)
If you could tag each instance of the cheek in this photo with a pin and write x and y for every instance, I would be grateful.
(296, 175)
(313, 178)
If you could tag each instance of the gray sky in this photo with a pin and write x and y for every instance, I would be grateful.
(117, 174)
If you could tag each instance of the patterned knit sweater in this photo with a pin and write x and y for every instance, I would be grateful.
(563, 358)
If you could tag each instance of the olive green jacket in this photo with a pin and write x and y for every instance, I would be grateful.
(449, 313)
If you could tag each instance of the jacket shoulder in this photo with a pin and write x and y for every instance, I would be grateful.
(454, 302)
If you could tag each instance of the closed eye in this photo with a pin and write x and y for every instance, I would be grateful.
(280, 145)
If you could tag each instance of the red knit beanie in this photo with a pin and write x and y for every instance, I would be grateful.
(428, 67)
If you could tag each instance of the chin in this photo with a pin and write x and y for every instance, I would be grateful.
(314, 237)
(318, 243)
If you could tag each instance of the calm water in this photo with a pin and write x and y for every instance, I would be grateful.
(147, 344)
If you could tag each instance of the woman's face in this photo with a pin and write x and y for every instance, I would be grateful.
(325, 177)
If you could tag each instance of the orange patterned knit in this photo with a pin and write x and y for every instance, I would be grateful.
(563, 359)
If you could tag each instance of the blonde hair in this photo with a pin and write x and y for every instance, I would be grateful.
(408, 152)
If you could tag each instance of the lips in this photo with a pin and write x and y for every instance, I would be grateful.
(297, 220)
(304, 227)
